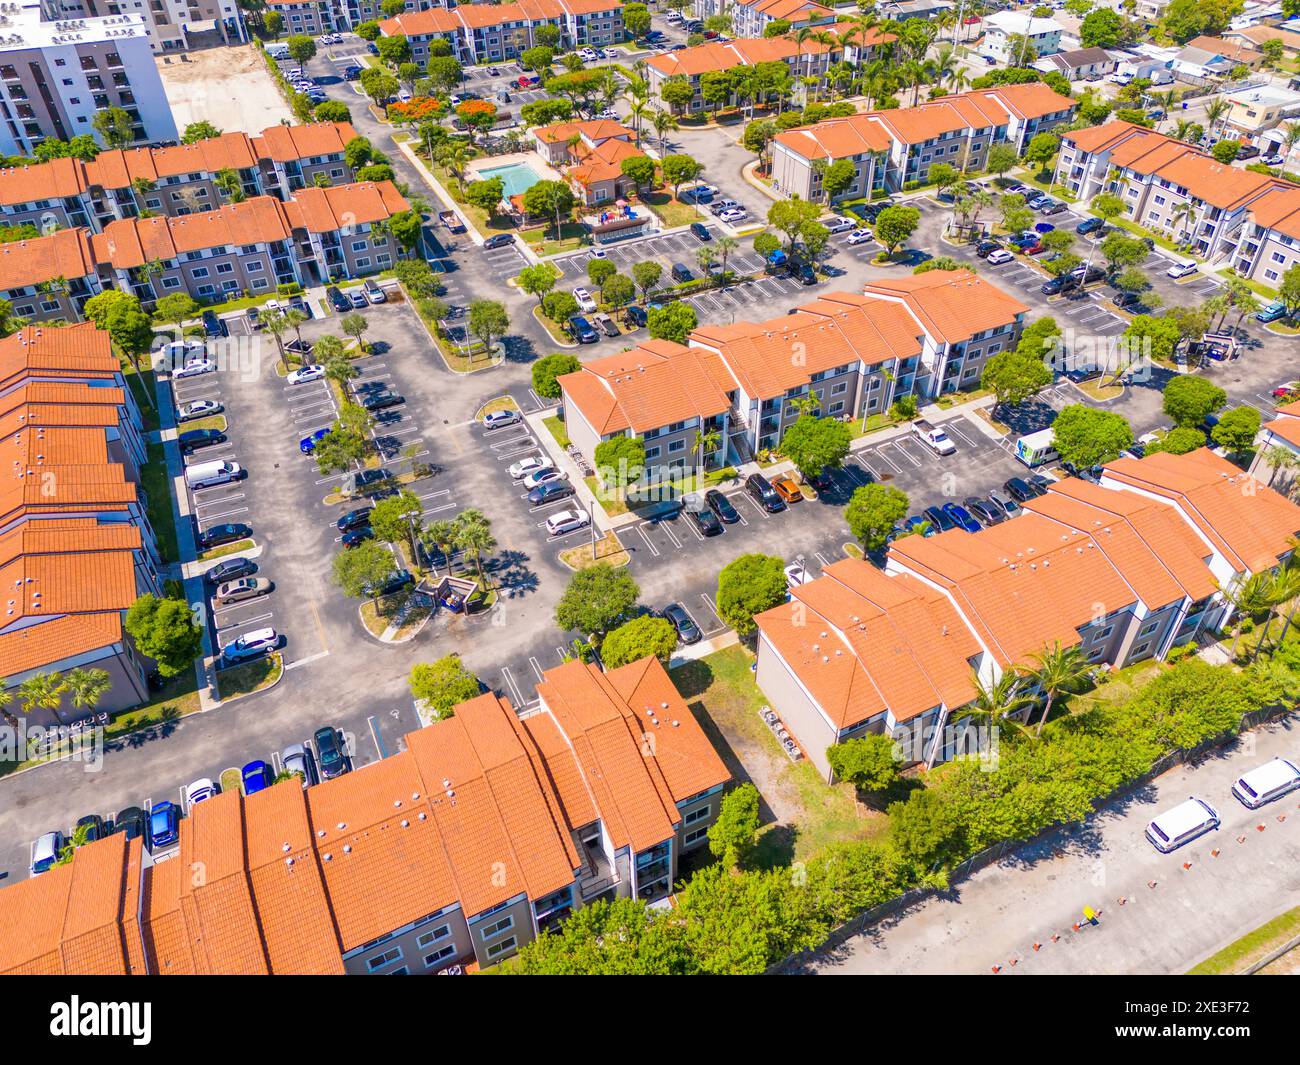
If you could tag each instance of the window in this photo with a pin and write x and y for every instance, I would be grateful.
(363, 263)
(360, 245)
(497, 949)
(429, 938)
(49, 305)
(1140, 649)
(676, 445)
(837, 390)
(692, 838)
(383, 260)
(651, 453)
(497, 927)
(697, 815)
(430, 960)
(403, 971)
(386, 958)
(171, 282)
(206, 290)
(225, 268)
(259, 282)
(200, 271)
(255, 267)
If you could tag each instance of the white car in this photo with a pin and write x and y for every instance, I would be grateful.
(999, 256)
(609, 114)
(1267, 782)
(795, 575)
(859, 236)
(545, 475)
(200, 408)
(567, 521)
(1181, 270)
(252, 644)
(530, 465)
(585, 302)
(201, 789)
(194, 368)
(734, 214)
(611, 53)
(455, 99)
(499, 419)
(588, 55)
(304, 374)
(838, 224)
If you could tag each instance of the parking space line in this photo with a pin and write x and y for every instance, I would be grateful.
(714, 611)
(514, 688)
(537, 668)
(653, 550)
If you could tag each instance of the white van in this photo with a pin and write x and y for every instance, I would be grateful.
(1170, 830)
(1267, 782)
(1033, 449)
(278, 51)
(207, 474)
(936, 438)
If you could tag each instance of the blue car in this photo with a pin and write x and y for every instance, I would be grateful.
(961, 517)
(307, 445)
(1089, 225)
(257, 777)
(917, 520)
(164, 825)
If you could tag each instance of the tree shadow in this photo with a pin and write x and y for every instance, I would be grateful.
(518, 349)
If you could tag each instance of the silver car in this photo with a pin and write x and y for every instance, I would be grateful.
(297, 759)
(237, 591)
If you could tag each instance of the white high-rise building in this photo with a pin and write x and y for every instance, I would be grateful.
(173, 25)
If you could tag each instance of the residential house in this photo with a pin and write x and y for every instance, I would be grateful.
(1017, 38)
(595, 793)
(590, 155)
(902, 10)
(1254, 110)
(1079, 64)
(1234, 52)
(1256, 36)
(892, 148)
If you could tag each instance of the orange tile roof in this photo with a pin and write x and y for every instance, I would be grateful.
(602, 162)
(116, 169)
(837, 138)
(863, 644)
(1248, 522)
(482, 16)
(1287, 427)
(595, 131)
(325, 210)
(65, 253)
(953, 305)
(285, 144)
(57, 179)
(131, 242)
(793, 11)
(1279, 209)
(743, 51)
(76, 351)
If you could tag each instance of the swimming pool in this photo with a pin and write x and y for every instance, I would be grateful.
(516, 178)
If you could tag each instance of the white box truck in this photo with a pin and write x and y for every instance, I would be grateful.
(207, 474)
(1034, 449)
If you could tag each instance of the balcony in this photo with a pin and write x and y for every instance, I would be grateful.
(596, 875)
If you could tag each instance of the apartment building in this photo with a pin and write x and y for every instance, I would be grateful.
(891, 148)
(1124, 571)
(55, 76)
(592, 164)
(749, 18)
(174, 181)
(310, 17)
(486, 830)
(1017, 38)
(1229, 214)
(746, 381)
(76, 547)
(487, 33)
(250, 246)
(1282, 432)
(172, 25)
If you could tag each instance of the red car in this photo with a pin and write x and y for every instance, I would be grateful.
(1285, 392)
(1035, 249)
(529, 81)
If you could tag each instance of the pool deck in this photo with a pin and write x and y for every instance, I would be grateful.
(534, 162)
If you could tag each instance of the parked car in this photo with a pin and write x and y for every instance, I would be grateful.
(1052, 207)
(1054, 286)
(130, 822)
(499, 241)
(330, 752)
(585, 302)
(606, 324)
(354, 519)
(305, 374)
(550, 492)
(89, 829)
(787, 489)
(307, 445)
(919, 524)
(194, 439)
(164, 825)
(1179, 270)
(796, 574)
(296, 758)
(226, 533)
(858, 236)
(1089, 225)
(701, 231)
(721, 506)
(1271, 313)
(1000, 256)
(256, 777)
(229, 569)
(374, 293)
(212, 325)
(1021, 490)
(704, 518)
(194, 368)
(199, 791)
(1267, 782)
(636, 317)
(581, 330)
(1009, 507)
(499, 419)
(545, 475)
(939, 519)
(961, 517)
(252, 644)
(986, 247)
(1171, 829)
(984, 510)
(381, 399)
(762, 492)
(240, 590)
(838, 224)
(358, 535)
(687, 630)
(525, 466)
(200, 408)
(733, 214)
(567, 521)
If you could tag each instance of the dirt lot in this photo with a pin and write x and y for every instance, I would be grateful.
(229, 87)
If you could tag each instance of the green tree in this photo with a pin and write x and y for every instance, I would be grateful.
(674, 322)
(486, 195)
(814, 444)
(549, 198)
(550, 367)
(749, 585)
(1188, 399)
(1236, 430)
(41, 691)
(115, 127)
(1086, 436)
(646, 275)
(927, 829)
(1101, 28)
(600, 270)
(273, 23)
(640, 168)
(618, 290)
(87, 687)
(301, 48)
(679, 169)
(733, 835)
(894, 225)
(838, 177)
(1178, 441)
(1057, 671)
(869, 763)
(597, 599)
(1151, 337)
(488, 320)
(639, 638)
(1001, 158)
(789, 216)
(620, 460)
(472, 533)
(1015, 376)
(164, 630)
(1041, 148)
(394, 50)
(362, 570)
(873, 511)
(560, 306)
(176, 308)
(442, 685)
(1225, 151)
(397, 518)
(199, 131)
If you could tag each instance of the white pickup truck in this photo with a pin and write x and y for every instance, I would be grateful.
(936, 438)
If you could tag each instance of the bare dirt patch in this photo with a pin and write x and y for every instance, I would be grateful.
(229, 87)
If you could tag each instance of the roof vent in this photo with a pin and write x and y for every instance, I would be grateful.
(415, 796)
(288, 861)
(406, 823)
(347, 848)
(397, 804)
(450, 793)
(320, 834)
(675, 723)
(285, 847)
(341, 825)
(327, 857)
(663, 706)
(422, 816)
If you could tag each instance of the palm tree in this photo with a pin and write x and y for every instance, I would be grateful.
(474, 538)
(276, 324)
(43, 691)
(7, 697)
(442, 535)
(1182, 217)
(1214, 112)
(1245, 598)
(1278, 459)
(87, 687)
(455, 156)
(1290, 138)
(1058, 670)
(999, 702)
(663, 122)
(707, 442)
(1283, 589)
(725, 245)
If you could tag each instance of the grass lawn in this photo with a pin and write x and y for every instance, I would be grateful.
(142, 387)
(225, 549)
(556, 426)
(809, 813)
(608, 549)
(1251, 947)
(952, 399)
(544, 243)
(158, 491)
(672, 212)
(612, 505)
(216, 421)
(875, 423)
(1099, 391)
(249, 677)
(500, 403)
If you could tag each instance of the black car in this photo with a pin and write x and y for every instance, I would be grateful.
(229, 570)
(701, 231)
(212, 325)
(762, 492)
(939, 519)
(550, 492)
(985, 248)
(636, 317)
(705, 520)
(226, 533)
(721, 506)
(499, 241)
(330, 756)
(805, 273)
(1056, 285)
(130, 822)
(1040, 483)
(687, 630)
(984, 510)
(1244, 151)
(358, 535)
(581, 331)
(396, 582)
(337, 300)
(194, 439)
(1089, 225)
(381, 400)
(93, 826)
(1021, 490)
(354, 519)
(1087, 274)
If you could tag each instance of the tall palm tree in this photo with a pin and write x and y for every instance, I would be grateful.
(87, 687)
(1057, 670)
(707, 442)
(663, 122)
(43, 691)
(277, 325)
(1282, 589)
(456, 156)
(999, 702)
(1246, 597)
(725, 245)
(1278, 459)
(474, 537)
(442, 535)
(1182, 217)
(1214, 112)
